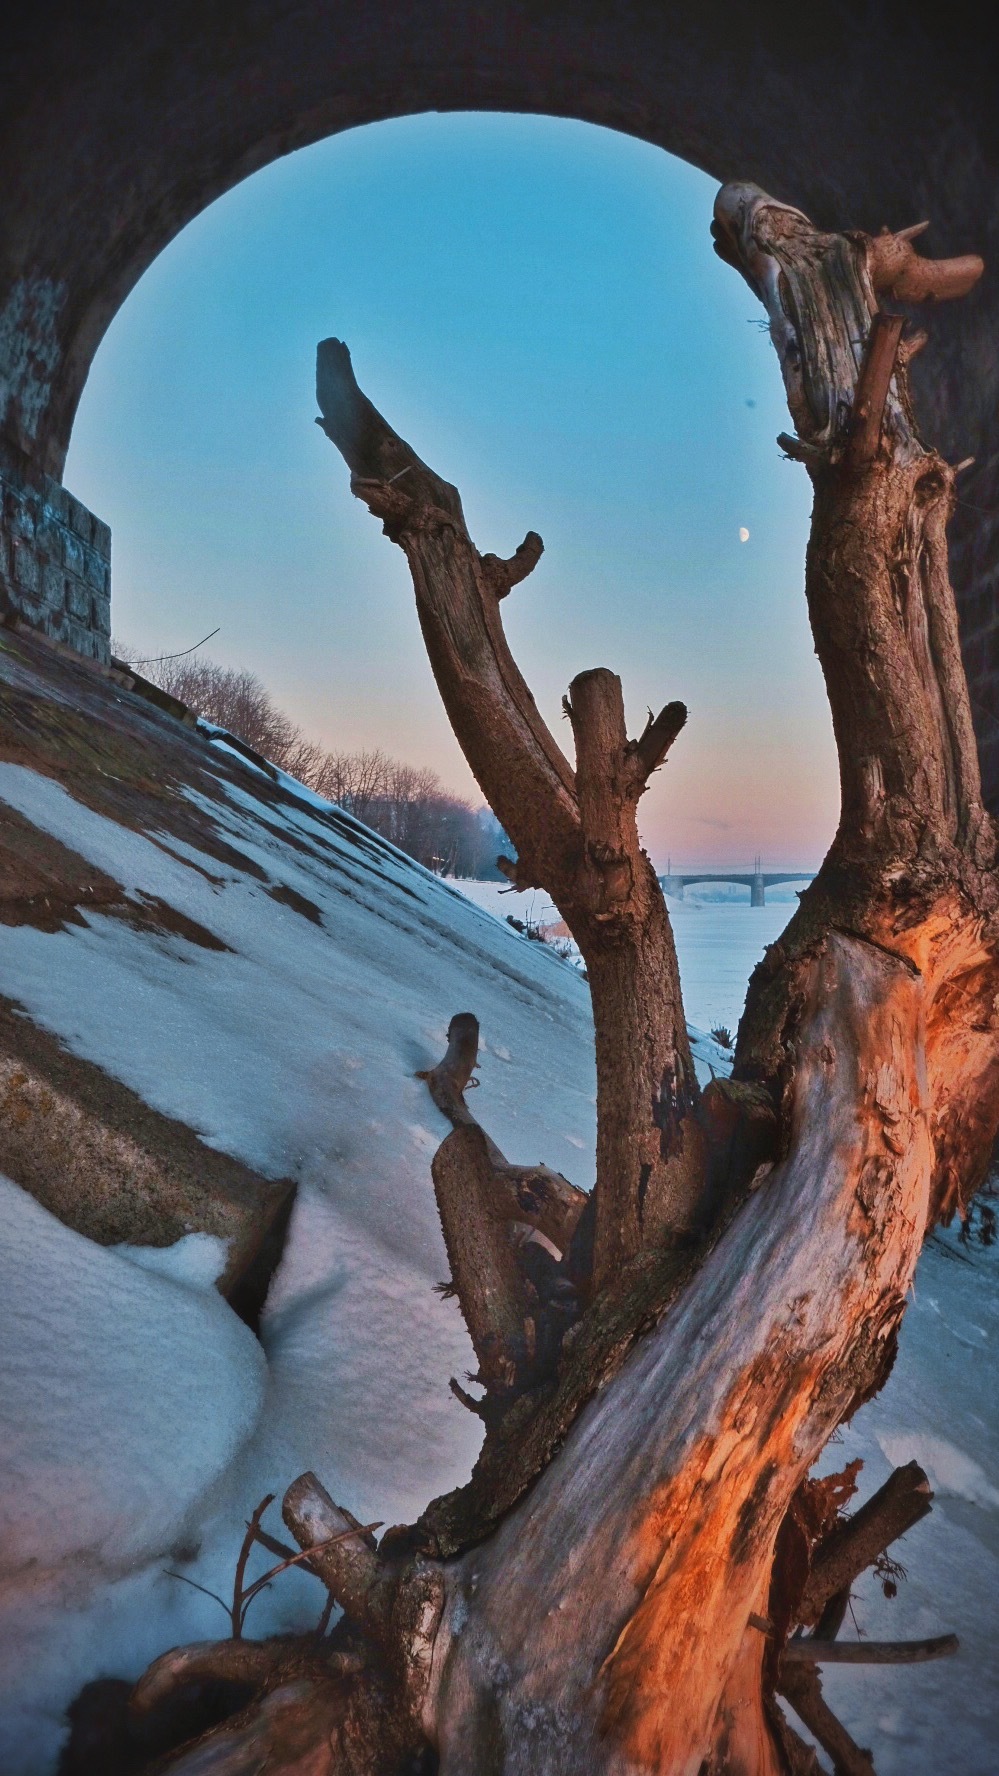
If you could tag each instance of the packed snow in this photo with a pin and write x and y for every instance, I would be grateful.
(145, 1421)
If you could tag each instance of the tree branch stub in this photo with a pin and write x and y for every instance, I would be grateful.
(854, 1545)
(349, 1567)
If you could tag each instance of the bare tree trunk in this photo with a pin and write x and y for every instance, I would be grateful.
(604, 1595)
(575, 831)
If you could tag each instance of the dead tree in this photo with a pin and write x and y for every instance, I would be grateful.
(638, 1567)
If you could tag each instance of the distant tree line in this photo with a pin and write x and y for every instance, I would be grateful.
(407, 804)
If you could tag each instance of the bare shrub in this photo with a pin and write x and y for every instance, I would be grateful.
(407, 804)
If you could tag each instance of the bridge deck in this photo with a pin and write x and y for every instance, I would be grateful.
(757, 881)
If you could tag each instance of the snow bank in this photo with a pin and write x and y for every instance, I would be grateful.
(124, 1394)
(144, 1440)
(295, 1049)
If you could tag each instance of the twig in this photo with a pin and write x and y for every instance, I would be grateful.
(304, 1554)
(170, 1574)
(242, 1597)
(238, 1606)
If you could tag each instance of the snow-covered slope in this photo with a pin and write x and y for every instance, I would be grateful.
(144, 1420)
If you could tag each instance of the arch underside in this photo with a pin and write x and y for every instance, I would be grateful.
(120, 124)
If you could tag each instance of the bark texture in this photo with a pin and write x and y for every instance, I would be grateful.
(616, 1589)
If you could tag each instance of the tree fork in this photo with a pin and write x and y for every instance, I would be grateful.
(593, 1599)
(575, 832)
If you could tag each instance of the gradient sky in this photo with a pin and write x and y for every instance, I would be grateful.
(535, 306)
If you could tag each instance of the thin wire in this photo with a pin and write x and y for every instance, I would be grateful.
(984, 510)
(983, 709)
(156, 658)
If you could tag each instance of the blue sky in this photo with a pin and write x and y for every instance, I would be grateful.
(535, 305)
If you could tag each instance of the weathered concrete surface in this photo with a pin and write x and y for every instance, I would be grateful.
(120, 123)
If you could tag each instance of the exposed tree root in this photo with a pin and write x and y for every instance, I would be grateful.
(617, 1589)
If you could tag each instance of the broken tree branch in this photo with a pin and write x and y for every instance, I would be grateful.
(544, 1200)
(230, 1661)
(876, 371)
(502, 575)
(480, 1200)
(806, 1650)
(896, 269)
(448, 1081)
(588, 858)
(802, 1686)
(485, 1274)
(595, 707)
(856, 1542)
(656, 738)
(338, 1552)
(914, 852)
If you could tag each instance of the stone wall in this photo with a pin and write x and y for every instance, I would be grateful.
(55, 561)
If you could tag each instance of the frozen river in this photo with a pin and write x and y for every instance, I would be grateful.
(718, 943)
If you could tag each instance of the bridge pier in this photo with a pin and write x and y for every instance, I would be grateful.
(672, 885)
(757, 892)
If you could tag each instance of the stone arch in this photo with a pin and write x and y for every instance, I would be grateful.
(122, 123)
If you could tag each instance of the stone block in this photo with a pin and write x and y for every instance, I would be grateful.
(72, 553)
(95, 570)
(53, 585)
(26, 574)
(102, 538)
(78, 600)
(100, 614)
(57, 500)
(80, 520)
(20, 518)
(81, 638)
(48, 538)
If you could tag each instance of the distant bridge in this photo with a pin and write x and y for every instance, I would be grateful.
(757, 880)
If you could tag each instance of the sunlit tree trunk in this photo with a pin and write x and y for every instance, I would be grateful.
(615, 1589)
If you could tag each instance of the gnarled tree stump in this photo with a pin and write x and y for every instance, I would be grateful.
(604, 1595)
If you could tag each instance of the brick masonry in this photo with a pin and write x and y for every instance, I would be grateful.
(55, 562)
